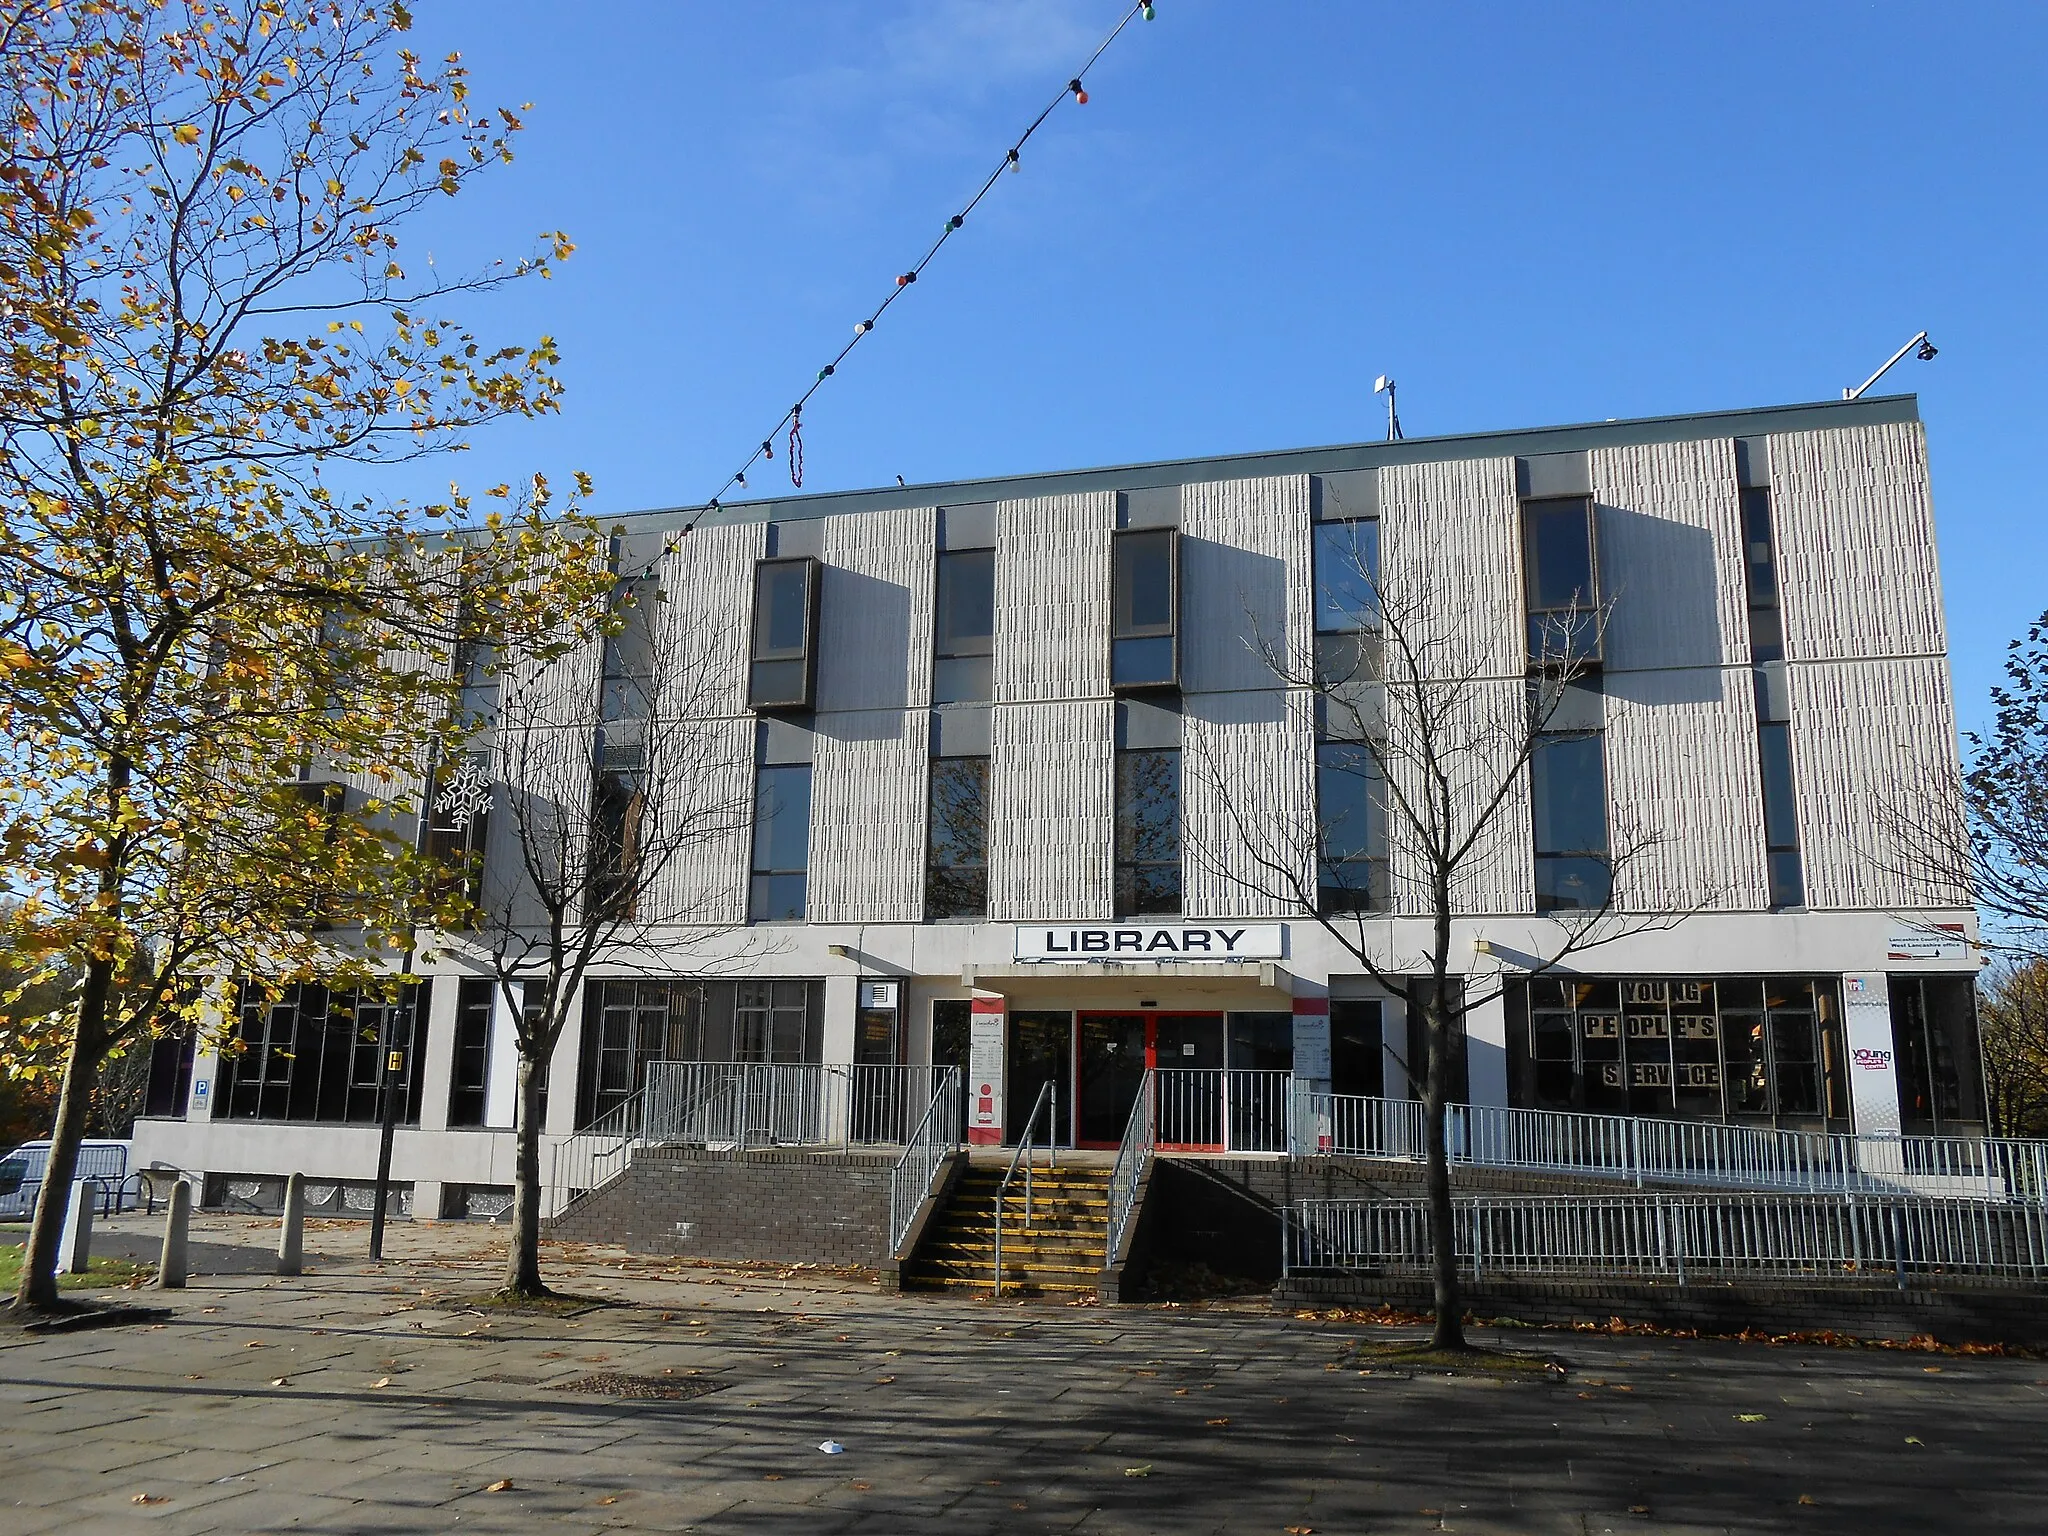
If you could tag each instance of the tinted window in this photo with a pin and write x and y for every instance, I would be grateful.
(1559, 552)
(1144, 583)
(966, 617)
(782, 842)
(781, 598)
(1347, 564)
(956, 874)
(1570, 788)
(1351, 822)
(1148, 832)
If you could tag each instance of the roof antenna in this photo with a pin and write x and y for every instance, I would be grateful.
(1925, 354)
(1384, 385)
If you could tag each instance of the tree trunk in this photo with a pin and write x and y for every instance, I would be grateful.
(1447, 1294)
(38, 1285)
(522, 1267)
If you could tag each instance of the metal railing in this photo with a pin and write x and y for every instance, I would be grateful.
(112, 1194)
(1126, 1175)
(1223, 1109)
(1642, 1151)
(731, 1106)
(928, 1146)
(1048, 1100)
(1678, 1236)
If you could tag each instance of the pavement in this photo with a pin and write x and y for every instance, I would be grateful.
(368, 1398)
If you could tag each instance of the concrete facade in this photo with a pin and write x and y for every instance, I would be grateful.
(1864, 669)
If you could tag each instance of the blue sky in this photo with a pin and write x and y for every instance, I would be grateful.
(1527, 214)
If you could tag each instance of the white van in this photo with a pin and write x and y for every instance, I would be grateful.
(21, 1174)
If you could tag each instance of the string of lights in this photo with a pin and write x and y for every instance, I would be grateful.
(792, 419)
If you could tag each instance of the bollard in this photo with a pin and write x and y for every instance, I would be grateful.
(75, 1251)
(170, 1268)
(291, 1241)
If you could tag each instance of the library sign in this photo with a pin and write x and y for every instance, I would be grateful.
(1089, 942)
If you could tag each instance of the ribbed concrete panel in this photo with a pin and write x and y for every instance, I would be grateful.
(1671, 564)
(1683, 788)
(875, 610)
(1052, 597)
(1855, 534)
(1451, 563)
(706, 881)
(1052, 808)
(708, 583)
(1474, 731)
(1870, 739)
(868, 799)
(1248, 803)
(1244, 550)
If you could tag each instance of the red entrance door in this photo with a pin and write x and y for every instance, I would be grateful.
(1185, 1050)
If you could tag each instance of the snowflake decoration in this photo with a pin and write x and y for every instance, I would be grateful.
(465, 794)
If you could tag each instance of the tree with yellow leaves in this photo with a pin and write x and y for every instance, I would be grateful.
(218, 675)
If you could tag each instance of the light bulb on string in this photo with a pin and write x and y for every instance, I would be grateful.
(1080, 95)
(1149, 12)
(1015, 163)
(905, 279)
(864, 327)
(768, 448)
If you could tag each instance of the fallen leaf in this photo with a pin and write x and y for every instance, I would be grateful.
(1639, 1509)
(771, 1477)
(883, 1381)
(282, 1381)
(1144, 1471)
(1806, 1498)
(502, 1485)
(610, 1498)
(151, 1498)
(1914, 1440)
(1586, 1395)
(1180, 1391)
(1932, 1370)
(255, 1344)
(381, 1381)
(863, 1487)
(1752, 1418)
(1218, 1423)
(1020, 1504)
(1301, 1530)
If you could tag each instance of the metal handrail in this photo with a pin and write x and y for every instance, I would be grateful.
(1679, 1235)
(1132, 1154)
(1048, 1099)
(937, 1134)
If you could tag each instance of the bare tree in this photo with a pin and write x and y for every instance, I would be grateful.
(596, 792)
(1423, 787)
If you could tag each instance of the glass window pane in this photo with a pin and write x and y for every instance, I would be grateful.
(1570, 788)
(1757, 542)
(782, 818)
(778, 898)
(1148, 806)
(1781, 824)
(1560, 554)
(966, 617)
(1350, 802)
(1347, 563)
(1788, 880)
(1567, 883)
(1141, 661)
(777, 682)
(1144, 583)
(780, 627)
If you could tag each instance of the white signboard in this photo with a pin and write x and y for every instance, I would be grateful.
(985, 1072)
(1312, 1043)
(1946, 942)
(1093, 942)
(1873, 1069)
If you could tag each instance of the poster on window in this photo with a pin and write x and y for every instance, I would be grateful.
(1873, 1072)
(985, 1073)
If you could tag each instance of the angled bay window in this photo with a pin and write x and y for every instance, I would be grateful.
(1145, 610)
(1148, 832)
(964, 627)
(784, 669)
(1561, 581)
(956, 858)
(1351, 829)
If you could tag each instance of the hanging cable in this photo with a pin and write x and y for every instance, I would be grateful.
(1012, 160)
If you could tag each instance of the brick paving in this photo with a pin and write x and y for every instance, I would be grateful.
(362, 1398)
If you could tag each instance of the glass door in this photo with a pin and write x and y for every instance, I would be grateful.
(1041, 1051)
(1187, 1050)
(1112, 1051)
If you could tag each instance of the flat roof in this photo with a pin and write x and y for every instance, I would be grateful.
(1820, 415)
